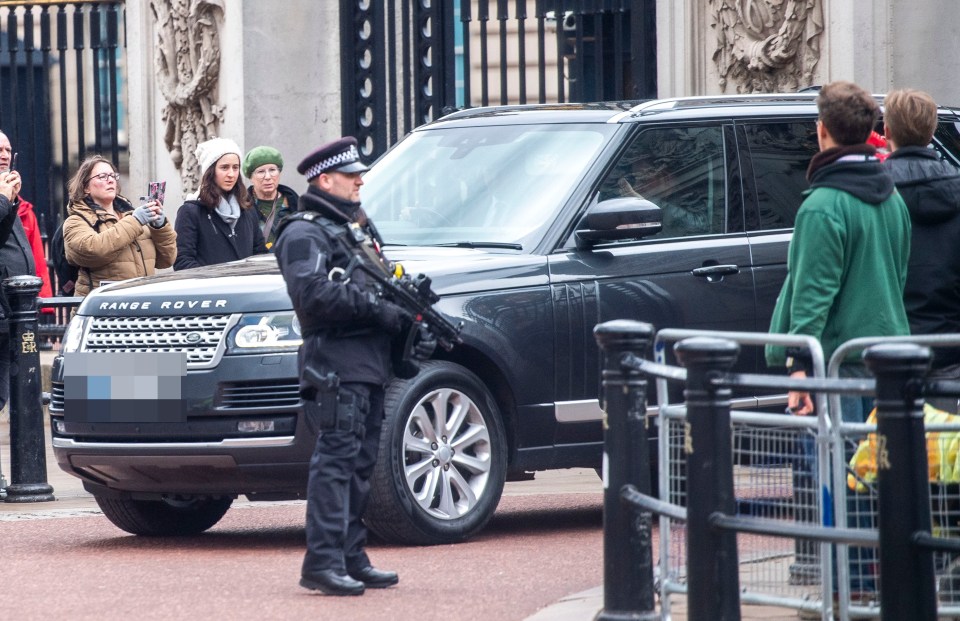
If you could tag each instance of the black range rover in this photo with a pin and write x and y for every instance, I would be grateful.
(535, 224)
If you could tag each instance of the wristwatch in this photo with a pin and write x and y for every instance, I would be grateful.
(795, 364)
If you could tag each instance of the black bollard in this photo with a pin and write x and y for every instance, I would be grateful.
(907, 589)
(628, 589)
(713, 572)
(28, 457)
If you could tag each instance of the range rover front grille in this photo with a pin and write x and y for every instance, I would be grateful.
(199, 336)
(56, 396)
(273, 394)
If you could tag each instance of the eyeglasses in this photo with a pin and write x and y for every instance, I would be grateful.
(102, 177)
(266, 172)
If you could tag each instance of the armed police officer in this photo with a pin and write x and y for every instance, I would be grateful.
(344, 362)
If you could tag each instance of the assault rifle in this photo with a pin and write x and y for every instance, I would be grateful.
(413, 294)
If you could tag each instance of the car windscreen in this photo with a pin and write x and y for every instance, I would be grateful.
(489, 185)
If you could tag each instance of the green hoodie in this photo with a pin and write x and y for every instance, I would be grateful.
(847, 262)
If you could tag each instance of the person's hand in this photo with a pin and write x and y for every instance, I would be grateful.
(425, 345)
(10, 184)
(391, 317)
(144, 213)
(159, 218)
(799, 403)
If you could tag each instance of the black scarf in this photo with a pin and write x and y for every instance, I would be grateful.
(831, 155)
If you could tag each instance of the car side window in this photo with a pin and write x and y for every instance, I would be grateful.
(679, 169)
(947, 140)
(780, 153)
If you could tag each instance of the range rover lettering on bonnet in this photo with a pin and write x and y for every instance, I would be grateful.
(164, 305)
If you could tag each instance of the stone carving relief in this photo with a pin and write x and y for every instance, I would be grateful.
(766, 46)
(187, 64)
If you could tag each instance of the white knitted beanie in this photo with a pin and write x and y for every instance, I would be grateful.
(212, 150)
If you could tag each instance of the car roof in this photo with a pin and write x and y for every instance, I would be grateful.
(676, 108)
(631, 111)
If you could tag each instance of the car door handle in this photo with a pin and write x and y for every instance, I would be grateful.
(713, 271)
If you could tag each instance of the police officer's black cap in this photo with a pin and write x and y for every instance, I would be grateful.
(340, 156)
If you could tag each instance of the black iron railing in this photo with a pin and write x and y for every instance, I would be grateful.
(61, 68)
(904, 535)
(407, 62)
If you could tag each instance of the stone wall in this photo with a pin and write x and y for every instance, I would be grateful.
(727, 46)
(278, 84)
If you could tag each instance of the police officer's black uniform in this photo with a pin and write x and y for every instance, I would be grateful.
(347, 334)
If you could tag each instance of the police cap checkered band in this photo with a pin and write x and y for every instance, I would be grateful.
(340, 155)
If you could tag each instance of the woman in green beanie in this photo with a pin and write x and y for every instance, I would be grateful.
(262, 166)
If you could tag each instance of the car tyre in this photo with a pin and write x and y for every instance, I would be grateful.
(443, 455)
(164, 518)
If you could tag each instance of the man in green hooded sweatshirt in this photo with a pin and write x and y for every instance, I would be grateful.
(846, 269)
(847, 262)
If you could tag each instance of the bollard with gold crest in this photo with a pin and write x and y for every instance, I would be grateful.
(28, 460)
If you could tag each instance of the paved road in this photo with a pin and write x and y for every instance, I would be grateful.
(62, 560)
(540, 559)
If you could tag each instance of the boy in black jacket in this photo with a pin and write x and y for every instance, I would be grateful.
(930, 186)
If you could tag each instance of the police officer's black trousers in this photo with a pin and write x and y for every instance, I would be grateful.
(339, 486)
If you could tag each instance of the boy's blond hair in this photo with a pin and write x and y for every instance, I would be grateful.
(910, 117)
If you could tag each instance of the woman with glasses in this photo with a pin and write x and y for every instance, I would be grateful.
(106, 236)
(272, 200)
(218, 224)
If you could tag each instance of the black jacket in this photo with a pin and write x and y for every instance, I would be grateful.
(203, 238)
(930, 187)
(16, 256)
(287, 208)
(340, 332)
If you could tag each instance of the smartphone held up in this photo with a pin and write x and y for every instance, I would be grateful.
(156, 190)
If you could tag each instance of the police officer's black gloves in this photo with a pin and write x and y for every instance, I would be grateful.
(425, 344)
(391, 317)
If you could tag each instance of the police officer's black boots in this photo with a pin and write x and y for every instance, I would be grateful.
(331, 582)
(374, 578)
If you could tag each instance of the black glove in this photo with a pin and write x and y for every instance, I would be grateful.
(425, 345)
(391, 317)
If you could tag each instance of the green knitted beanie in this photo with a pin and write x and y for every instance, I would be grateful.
(258, 156)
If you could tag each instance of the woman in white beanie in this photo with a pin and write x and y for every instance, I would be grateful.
(219, 225)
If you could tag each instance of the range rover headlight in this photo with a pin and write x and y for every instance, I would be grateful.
(73, 335)
(267, 332)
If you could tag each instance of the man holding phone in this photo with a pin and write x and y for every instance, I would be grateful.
(28, 218)
(16, 257)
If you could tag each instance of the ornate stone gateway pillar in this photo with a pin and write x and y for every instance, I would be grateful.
(187, 60)
(739, 46)
(765, 46)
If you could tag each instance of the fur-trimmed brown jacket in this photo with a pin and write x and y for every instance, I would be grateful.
(118, 248)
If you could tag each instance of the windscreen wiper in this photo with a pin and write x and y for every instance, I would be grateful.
(481, 244)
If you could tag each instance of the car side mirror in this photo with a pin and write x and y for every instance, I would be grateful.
(618, 219)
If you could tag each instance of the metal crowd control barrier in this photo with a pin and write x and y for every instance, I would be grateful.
(944, 505)
(713, 565)
(778, 487)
